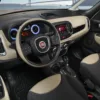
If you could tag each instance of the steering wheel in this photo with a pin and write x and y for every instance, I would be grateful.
(40, 45)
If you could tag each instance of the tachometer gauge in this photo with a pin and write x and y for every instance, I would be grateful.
(13, 33)
(35, 29)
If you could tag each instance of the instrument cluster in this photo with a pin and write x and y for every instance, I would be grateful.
(29, 30)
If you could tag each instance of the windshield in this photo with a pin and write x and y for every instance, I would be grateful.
(7, 6)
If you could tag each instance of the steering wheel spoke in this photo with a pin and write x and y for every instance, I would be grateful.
(49, 34)
(54, 41)
(44, 59)
(54, 38)
(26, 49)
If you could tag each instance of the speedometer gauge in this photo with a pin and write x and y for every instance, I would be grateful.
(13, 33)
(35, 29)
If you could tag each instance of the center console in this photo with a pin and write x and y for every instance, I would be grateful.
(62, 66)
(64, 29)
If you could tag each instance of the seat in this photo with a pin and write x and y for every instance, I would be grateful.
(90, 68)
(58, 87)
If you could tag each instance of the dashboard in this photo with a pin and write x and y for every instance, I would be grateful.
(69, 28)
(64, 30)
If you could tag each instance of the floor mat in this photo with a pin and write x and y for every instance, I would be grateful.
(20, 81)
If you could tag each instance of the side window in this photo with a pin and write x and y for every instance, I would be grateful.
(88, 4)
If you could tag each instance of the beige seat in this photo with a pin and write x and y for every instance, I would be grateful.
(58, 87)
(90, 68)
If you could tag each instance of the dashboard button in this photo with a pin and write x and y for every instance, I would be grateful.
(65, 45)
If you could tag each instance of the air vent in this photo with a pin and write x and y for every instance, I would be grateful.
(88, 23)
(48, 15)
(79, 28)
(70, 28)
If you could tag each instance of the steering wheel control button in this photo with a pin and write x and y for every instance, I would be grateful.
(65, 46)
(26, 49)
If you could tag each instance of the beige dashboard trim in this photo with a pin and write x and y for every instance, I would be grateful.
(6, 95)
(75, 21)
(47, 85)
(97, 39)
(10, 53)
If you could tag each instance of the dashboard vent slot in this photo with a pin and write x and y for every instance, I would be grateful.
(48, 15)
(79, 28)
(88, 23)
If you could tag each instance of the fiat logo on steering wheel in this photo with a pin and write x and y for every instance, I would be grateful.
(42, 45)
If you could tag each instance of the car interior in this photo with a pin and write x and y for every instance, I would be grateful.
(50, 54)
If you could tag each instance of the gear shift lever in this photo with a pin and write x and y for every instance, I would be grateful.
(66, 69)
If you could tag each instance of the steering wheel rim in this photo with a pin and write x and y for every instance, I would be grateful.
(19, 49)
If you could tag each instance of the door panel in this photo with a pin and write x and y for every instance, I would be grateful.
(91, 42)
